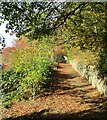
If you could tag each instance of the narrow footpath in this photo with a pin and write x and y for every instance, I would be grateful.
(70, 97)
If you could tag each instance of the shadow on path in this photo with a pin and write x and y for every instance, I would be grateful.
(85, 115)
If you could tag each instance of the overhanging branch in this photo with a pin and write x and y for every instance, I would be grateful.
(66, 16)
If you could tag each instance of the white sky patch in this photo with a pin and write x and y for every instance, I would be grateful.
(9, 39)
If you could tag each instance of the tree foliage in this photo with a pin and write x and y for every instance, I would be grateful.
(37, 18)
(77, 23)
(32, 18)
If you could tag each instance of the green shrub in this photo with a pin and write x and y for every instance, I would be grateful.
(31, 69)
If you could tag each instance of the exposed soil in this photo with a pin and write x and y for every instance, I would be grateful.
(70, 97)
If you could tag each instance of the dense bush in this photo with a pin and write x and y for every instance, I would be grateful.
(31, 68)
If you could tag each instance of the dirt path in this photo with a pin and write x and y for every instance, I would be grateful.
(70, 97)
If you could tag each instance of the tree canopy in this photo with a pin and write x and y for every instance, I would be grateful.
(79, 23)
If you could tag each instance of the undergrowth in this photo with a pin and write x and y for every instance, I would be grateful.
(31, 68)
(86, 57)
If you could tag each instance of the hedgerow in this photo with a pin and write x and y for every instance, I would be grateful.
(31, 68)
